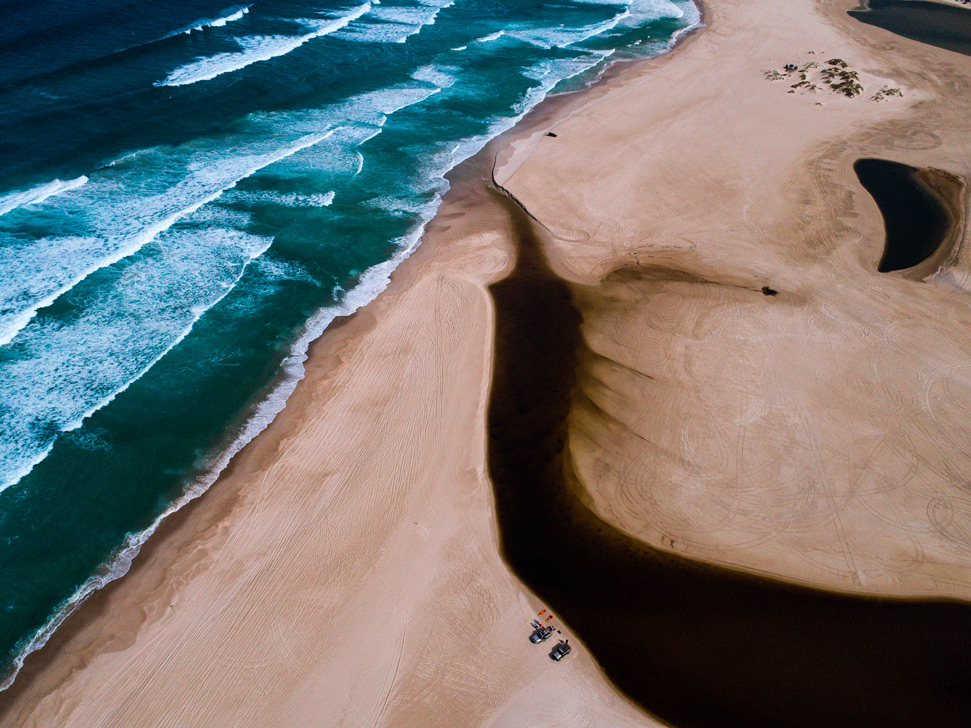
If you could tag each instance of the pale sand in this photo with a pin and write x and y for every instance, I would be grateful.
(346, 570)
(821, 434)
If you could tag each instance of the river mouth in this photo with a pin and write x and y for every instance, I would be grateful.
(694, 644)
(921, 211)
(944, 26)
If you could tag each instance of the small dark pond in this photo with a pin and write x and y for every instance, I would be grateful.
(915, 217)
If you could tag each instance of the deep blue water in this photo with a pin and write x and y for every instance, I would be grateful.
(189, 193)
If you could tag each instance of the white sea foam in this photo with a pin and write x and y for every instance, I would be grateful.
(405, 15)
(384, 102)
(360, 118)
(61, 372)
(646, 9)
(634, 14)
(36, 195)
(283, 270)
(641, 12)
(395, 24)
(439, 75)
(292, 199)
(562, 37)
(152, 220)
(380, 32)
(491, 37)
(120, 222)
(319, 200)
(254, 49)
(691, 14)
(234, 14)
(230, 15)
(133, 200)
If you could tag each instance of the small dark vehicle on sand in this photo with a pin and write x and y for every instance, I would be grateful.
(561, 650)
(541, 634)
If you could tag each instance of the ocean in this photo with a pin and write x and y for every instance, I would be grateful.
(190, 192)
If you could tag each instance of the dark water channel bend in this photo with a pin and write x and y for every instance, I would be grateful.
(694, 644)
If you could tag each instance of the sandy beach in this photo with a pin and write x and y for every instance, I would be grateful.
(752, 393)
(345, 570)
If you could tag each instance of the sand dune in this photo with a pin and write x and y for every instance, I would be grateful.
(815, 434)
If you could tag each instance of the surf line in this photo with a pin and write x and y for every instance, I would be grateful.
(695, 644)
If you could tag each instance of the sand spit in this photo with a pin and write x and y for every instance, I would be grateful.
(345, 570)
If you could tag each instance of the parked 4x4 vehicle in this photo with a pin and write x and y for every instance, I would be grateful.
(540, 634)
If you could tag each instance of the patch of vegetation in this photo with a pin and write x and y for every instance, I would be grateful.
(846, 83)
(804, 84)
(887, 91)
(834, 73)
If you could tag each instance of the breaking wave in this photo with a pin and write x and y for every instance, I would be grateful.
(255, 49)
(36, 195)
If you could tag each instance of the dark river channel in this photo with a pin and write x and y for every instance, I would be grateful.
(696, 645)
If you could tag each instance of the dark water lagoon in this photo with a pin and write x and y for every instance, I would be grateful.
(944, 26)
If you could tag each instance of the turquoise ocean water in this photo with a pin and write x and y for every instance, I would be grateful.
(189, 194)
